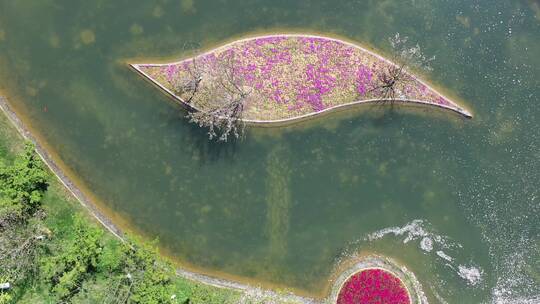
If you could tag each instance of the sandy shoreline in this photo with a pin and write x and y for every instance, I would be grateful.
(248, 290)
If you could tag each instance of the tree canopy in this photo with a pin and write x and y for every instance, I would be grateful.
(22, 185)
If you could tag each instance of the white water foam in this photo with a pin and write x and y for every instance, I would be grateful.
(412, 231)
(472, 274)
(426, 244)
(509, 232)
(514, 278)
(419, 230)
(438, 296)
(444, 256)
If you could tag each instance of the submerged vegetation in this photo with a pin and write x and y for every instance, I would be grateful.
(278, 201)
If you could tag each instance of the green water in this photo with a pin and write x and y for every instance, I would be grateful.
(285, 206)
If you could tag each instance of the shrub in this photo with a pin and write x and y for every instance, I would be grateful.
(77, 260)
(141, 277)
(22, 185)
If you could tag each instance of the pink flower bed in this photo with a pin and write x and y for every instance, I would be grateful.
(373, 286)
(292, 75)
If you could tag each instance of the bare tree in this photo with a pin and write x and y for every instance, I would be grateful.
(187, 86)
(220, 104)
(19, 245)
(388, 82)
(392, 80)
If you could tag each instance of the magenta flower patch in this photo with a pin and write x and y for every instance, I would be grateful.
(288, 76)
(373, 286)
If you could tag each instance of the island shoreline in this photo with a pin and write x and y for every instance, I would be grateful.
(293, 120)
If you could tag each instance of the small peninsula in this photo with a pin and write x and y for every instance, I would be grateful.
(374, 285)
(281, 78)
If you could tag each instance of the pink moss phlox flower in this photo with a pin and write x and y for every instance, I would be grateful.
(441, 100)
(363, 79)
(307, 95)
(311, 45)
(373, 286)
(295, 75)
(318, 83)
(170, 72)
(298, 105)
(269, 40)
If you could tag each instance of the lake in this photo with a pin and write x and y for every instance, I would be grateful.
(456, 201)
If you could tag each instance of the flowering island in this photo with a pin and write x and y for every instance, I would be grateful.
(372, 286)
(279, 78)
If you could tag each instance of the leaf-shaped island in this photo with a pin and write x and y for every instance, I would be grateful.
(281, 78)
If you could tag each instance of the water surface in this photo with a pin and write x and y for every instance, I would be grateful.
(285, 206)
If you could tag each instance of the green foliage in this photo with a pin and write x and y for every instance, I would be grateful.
(143, 277)
(22, 184)
(77, 260)
(77, 263)
(5, 297)
(191, 292)
(111, 257)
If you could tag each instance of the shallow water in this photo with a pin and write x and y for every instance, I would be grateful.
(456, 201)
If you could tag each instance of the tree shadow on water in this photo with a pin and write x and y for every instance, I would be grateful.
(386, 116)
(204, 149)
